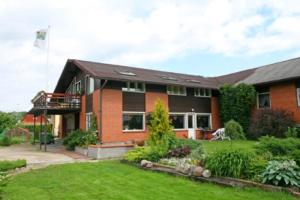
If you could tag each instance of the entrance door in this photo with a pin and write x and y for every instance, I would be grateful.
(191, 126)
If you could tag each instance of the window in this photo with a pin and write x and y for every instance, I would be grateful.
(177, 121)
(202, 92)
(203, 121)
(263, 100)
(133, 121)
(88, 119)
(90, 82)
(176, 90)
(134, 87)
(298, 96)
(77, 87)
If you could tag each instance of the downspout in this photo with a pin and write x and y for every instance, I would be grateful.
(100, 109)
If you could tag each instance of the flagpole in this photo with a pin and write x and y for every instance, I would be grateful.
(47, 64)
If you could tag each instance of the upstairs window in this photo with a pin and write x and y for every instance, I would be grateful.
(202, 92)
(263, 100)
(176, 90)
(77, 87)
(134, 87)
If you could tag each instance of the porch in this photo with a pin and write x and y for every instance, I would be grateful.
(45, 104)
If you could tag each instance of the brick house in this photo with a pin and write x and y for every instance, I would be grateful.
(122, 97)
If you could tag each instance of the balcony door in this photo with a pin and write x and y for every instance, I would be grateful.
(191, 122)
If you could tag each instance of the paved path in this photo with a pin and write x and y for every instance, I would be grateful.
(34, 156)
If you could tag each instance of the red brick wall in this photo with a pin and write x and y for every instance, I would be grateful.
(215, 114)
(284, 96)
(82, 113)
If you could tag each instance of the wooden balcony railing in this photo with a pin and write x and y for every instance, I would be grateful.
(49, 101)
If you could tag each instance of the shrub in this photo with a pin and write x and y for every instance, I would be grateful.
(179, 152)
(79, 138)
(285, 173)
(236, 103)
(229, 163)
(5, 141)
(256, 167)
(291, 132)
(198, 154)
(273, 122)
(142, 153)
(234, 130)
(6, 165)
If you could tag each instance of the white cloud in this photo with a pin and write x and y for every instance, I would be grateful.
(132, 33)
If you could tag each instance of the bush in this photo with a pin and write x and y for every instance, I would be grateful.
(80, 138)
(6, 165)
(142, 153)
(229, 163)
(161, 131)
(30, 128)
(285, 173)
(234, 130)
(198, 154)
(179, 152)
(5, 141)
(257, 166)
(291, 132)
(273, 122)
(236, 103)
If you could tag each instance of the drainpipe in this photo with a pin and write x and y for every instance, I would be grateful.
(100, 109)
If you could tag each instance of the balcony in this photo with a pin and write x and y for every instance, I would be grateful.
(55, 103)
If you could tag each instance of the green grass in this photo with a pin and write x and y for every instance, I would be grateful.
(115, 181)
(6, 165)
(213, 146)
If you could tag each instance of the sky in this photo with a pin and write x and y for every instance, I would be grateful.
(207, 38)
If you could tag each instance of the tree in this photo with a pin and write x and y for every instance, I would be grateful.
(236, 103)
(6, 121)
(161, 130)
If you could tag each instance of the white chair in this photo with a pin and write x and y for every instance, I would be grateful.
(220, 135)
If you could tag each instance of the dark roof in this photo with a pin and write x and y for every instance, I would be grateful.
(266, 74)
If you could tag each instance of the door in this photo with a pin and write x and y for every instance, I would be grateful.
(191, 126)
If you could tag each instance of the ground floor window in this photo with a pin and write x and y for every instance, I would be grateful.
(133, 121)
(203, 121)
(263, 100)
(298, 96)
(88, 119)
(178, 121)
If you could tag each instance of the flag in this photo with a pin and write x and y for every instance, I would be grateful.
(40, 39)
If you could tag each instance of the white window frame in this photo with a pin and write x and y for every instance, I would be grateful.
(206, 92)
(257, 99)
(204, 114)
(171, 90)
(133, 113)
(77, 86)
(185, 125)
(88, 120)
(135, 89)
(298, 97)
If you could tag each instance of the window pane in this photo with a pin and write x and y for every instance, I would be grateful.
(201, 92)
(177, 121)
(133, 121)
(203, 121)
(264, 100)
(91, 85)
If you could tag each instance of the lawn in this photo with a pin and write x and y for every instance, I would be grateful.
(213, 146)
(114, 180)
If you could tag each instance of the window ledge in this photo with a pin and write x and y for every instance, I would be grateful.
(133, 131)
